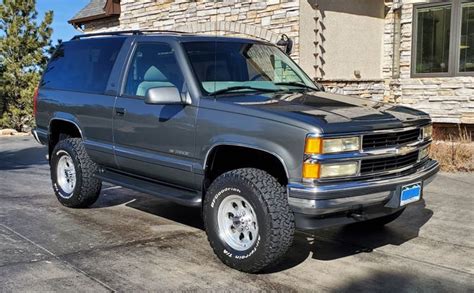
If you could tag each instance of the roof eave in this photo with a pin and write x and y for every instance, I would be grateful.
(111, 9)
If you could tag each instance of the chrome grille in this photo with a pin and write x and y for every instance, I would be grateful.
(390, 139)
(386, 164)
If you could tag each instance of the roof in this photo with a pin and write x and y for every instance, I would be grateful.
(96, 9)
(182, 36)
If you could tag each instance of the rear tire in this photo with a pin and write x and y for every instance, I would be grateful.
(72, 174)
(247, 218)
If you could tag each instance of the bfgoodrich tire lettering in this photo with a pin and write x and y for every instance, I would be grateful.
(269, 204)
(86, 187)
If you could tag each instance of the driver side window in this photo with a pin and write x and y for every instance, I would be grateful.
(153, 65)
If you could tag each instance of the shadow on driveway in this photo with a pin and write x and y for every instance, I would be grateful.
(324, 245)
(23, 158)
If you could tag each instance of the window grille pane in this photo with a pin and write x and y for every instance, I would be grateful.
(466, 47)
(432, 39)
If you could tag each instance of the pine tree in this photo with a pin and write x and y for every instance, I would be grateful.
(24, 47)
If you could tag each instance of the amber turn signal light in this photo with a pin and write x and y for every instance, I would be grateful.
(313, 145)
(311, 171)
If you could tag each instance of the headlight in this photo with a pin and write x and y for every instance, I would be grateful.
(427, 131)
(316, 171)
(339, 170)
(318, 145)
(423, 153)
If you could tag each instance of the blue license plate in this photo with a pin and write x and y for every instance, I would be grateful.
(410, 193)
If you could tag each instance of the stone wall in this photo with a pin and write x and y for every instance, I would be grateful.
(260, 19)
(448, 99)
(109, 24)
(373, 89)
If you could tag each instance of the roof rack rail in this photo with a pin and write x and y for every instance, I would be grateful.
(127, 32)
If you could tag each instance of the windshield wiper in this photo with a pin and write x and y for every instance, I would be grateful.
(297, 84)
(242, 87)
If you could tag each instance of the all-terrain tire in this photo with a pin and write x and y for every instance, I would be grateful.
(87, 187)
(268, 201)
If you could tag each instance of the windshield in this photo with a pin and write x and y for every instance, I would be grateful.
(223, 67)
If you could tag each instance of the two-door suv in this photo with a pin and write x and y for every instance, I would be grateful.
(232, 126)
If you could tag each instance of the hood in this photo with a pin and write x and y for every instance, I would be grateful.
(333, 112)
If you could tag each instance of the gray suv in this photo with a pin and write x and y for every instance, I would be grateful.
(232, 126)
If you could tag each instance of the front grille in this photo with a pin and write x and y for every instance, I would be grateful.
(387, 164)
(382, 140)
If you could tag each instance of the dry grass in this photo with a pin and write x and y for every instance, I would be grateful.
(455, 153)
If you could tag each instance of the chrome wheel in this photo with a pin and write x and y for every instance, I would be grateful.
(66, 174)
(237, 221)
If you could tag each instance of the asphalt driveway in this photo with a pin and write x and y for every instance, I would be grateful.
(130, 241)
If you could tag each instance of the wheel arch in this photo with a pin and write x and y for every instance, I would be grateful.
(59, 125)
(255, 150)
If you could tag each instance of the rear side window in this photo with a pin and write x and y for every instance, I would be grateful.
(82, 66)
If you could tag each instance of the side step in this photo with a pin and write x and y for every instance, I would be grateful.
(177, 195)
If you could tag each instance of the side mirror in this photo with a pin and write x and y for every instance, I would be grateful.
(286, 44)
(168, 95)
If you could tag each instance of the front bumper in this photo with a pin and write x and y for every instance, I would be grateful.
(322, 201)
(40, 135)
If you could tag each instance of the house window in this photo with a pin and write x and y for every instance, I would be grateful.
(432, 44)
(443, 39)
(466, 46)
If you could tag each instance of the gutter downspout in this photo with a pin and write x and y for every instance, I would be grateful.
(397, 12)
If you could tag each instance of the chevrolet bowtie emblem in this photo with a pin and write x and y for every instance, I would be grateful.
(405, 150)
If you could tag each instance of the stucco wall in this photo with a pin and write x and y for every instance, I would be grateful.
(352, 38)
(338, 39)
(308, 30)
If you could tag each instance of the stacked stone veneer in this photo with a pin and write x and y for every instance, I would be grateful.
(265, 20)
(374, 89)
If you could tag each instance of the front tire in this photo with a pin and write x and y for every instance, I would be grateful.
(247, 218)
(72, 174)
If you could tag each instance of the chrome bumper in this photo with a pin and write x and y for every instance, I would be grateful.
(350, 195)
(41, 136)
(35, 135)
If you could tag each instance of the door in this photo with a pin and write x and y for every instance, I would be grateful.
(152, 140)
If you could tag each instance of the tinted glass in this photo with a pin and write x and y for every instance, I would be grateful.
(432, 39)
(221, 65)
(153, 65)
(83, 65)
(466, 62)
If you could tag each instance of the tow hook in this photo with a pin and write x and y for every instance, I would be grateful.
(358, 216)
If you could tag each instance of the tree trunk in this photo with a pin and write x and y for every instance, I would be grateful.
(4, 105)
